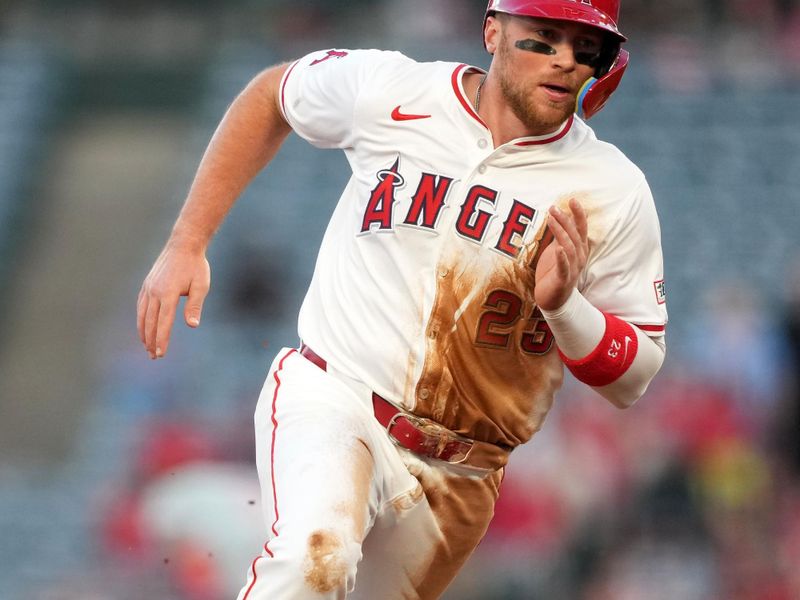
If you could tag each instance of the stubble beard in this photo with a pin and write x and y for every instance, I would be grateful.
(540, 116)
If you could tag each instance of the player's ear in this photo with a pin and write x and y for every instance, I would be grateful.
(491, 33)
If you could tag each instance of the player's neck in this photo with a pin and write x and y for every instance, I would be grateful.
(500, 118)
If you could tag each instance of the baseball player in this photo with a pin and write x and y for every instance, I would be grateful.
(486, 240)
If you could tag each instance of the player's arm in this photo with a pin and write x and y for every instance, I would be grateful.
(247, 138)
(614, 357)
(605, 352)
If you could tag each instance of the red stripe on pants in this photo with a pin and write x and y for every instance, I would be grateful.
(272, 471)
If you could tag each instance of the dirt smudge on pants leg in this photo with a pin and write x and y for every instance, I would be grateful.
(327, 557)
(326, 567)
(463, 507)
(355, 508)
(407, 501)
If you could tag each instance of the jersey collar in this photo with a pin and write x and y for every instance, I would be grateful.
(458, 89)
(548, 138)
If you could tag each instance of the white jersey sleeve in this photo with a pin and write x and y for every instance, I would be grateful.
(625, 273)
(319, 93)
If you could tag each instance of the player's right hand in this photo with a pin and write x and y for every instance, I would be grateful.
(564, 259)
(177, 272)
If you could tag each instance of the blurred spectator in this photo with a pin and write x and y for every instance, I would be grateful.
(189, 514)
(735, 346)
(788, 418)
(663, 568)
(205, 520)
(680, 63)
(789, 42)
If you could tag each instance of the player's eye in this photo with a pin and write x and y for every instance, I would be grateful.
(588, 45)
(546, 34)
(590, 59)
(588, 51)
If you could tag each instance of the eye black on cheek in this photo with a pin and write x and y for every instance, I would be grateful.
(590, 59)
(535, 46)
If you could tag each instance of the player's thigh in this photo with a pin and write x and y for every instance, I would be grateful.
(397, 549)
(311, 451)
(421, 539)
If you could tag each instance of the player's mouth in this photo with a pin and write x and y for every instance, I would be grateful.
(556, 92)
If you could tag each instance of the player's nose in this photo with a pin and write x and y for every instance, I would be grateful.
(564, 56)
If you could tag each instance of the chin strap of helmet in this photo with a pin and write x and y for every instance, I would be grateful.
(596, 91)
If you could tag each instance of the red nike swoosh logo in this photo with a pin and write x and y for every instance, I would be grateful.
(398, 116)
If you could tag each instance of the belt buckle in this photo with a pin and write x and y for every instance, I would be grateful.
(442, 435)
(393, 421)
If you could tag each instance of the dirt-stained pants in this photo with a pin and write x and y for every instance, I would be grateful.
(350, 515)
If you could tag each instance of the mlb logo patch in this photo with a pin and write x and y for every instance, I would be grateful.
(661, 291)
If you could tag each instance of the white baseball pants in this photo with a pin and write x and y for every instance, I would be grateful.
(350, 515)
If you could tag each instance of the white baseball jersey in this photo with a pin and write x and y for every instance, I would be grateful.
(423, 288)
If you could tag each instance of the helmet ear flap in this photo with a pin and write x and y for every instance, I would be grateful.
(596, 91)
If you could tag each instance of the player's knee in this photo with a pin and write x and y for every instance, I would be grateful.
(325, 560)
(330, 561)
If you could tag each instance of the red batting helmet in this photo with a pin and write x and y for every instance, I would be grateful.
(602, 14)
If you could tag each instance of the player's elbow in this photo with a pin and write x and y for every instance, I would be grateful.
(632, 385)
(626, 391)
(622, 396)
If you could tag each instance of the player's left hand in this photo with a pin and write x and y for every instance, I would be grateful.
(177, 272)
(563, 260)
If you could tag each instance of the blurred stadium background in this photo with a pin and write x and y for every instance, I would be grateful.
(122, 478)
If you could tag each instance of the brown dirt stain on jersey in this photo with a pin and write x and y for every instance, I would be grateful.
(415, 335)
(326, 568)
(597, 220)
(463, 507)
(487, 374)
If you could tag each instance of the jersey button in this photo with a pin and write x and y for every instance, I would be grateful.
(482, 143)
(482, 169)
(424, 393)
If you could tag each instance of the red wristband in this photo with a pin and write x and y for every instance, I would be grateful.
(610, 359)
